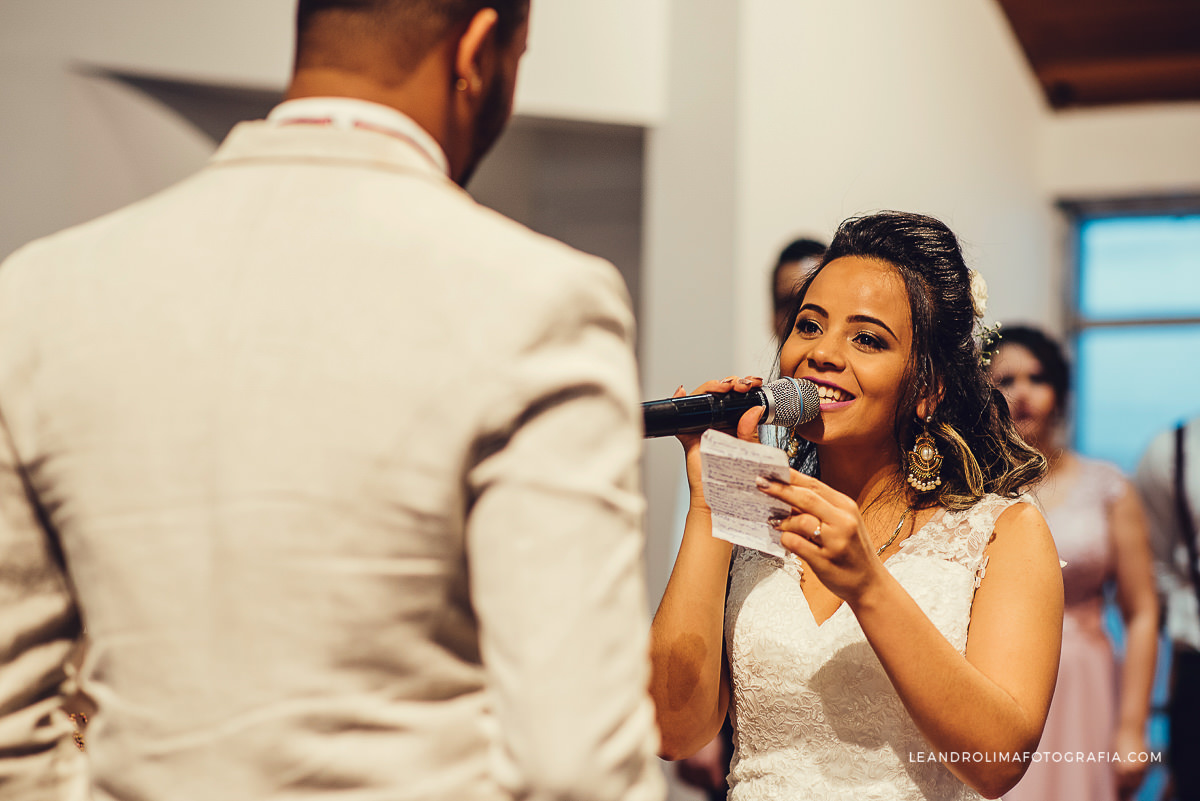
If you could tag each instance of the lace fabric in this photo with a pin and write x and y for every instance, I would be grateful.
(815, 715)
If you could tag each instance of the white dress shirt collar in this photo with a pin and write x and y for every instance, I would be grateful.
(348, 112)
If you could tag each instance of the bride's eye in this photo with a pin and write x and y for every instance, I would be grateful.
(806, 326)
(868, 340)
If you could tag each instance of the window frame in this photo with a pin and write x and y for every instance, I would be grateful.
(1080, 211)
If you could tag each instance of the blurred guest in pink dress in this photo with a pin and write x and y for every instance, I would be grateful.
(1100, 708)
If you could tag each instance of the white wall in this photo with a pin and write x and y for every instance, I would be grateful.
(1122, 152)
(219, 41)
(861, 105)
(74, 146)
(686, 315)
(838, 108)
(569, 40)
(249, 44)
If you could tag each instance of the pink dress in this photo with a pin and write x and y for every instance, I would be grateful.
(1078, 739)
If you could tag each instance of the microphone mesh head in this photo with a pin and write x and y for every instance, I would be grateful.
(796, 401)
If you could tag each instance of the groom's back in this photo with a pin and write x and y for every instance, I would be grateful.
(257, 410)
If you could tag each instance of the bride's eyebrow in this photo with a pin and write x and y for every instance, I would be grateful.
(866, 318)
(816, 308)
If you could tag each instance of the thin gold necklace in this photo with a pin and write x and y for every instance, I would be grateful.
(895, 533)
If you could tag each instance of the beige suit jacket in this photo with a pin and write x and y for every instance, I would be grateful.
(339, 470)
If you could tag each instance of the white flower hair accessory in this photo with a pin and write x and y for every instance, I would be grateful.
(979, 293)
(988, 334)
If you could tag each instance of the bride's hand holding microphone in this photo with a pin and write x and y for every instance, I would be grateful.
(747, 426)
(731, 404)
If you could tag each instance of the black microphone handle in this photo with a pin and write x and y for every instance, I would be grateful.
(694, 413)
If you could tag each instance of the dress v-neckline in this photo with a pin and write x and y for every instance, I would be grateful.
(820, 624)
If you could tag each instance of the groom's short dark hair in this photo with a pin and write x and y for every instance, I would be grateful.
(417, 24)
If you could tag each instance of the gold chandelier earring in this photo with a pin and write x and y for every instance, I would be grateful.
(924, 461)
(793, 445)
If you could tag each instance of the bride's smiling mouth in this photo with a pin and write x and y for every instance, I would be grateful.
(831, 394)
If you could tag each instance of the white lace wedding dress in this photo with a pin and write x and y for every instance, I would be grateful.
(815, 716)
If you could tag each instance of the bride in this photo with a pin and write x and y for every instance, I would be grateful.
(907, 647)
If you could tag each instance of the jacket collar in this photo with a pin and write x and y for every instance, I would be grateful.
(336, 129)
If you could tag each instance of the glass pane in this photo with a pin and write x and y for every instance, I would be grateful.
(1138, 267)
(1131, 383)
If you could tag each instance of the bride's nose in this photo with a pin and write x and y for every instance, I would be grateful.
(825, 353)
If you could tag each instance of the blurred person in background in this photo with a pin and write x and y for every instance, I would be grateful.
(1168, 477)
(1100, 530)
(795, 260)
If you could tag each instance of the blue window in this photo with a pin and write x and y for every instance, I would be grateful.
(1137, 331)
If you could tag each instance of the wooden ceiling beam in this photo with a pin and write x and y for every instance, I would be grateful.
(1102, 82)
(1118, 37)
(1096, 52)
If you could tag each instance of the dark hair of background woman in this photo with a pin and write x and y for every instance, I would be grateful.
(1049, 355)
(981, 449)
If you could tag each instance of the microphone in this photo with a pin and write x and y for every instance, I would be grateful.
(788, 402)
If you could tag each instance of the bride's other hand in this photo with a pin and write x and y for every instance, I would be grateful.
(826, 530)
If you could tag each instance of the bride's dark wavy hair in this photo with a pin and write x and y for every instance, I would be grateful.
(981, 450)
